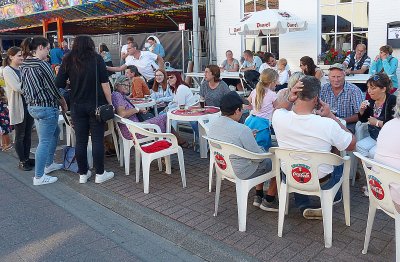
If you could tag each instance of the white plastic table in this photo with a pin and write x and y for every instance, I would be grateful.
(198, 77)
(355, 79)
(189, 115)
(144, 103)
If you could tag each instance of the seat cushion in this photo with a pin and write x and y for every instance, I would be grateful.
(156, 146)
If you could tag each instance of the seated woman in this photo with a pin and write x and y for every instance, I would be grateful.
(231, 65)
(126, 109)
(309, 68)
(388, 144)
(139, 86)
(213, 88)
(386, 63)
(376, 111)
(161, 92)
(183, 96)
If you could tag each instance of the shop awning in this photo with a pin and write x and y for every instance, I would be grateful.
(108, 15)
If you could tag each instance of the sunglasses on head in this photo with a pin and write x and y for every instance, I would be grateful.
(375, 77)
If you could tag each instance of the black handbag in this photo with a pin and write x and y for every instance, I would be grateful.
(105, 112)
(141, 116)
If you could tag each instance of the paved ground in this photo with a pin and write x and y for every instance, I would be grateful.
(55, 223)
(185, 217)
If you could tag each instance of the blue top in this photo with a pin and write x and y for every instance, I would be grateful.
(389, 68)
(159, 50)
(256, 61)
(56, 55)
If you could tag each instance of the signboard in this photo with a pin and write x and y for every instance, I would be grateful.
(393, 34)
(14, 8)
(182, 27)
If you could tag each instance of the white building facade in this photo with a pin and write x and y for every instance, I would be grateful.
(339, 24)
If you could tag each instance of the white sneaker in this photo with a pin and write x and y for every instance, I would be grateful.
(53, 167)
(45, 179)
(84, 178)
(103, 177)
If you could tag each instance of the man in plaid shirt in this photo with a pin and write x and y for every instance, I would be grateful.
(343, 98)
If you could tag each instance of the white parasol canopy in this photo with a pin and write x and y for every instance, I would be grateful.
(268, 22)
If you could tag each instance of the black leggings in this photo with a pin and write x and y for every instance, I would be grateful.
(23, 134)
(84, 120)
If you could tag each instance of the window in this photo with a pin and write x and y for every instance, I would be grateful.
(344, 24)
(260, 43)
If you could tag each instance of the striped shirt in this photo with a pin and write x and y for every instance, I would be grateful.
(348, 101)
(38, 83)
(367, 61)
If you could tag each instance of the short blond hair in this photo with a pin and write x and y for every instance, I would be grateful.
(282, 61)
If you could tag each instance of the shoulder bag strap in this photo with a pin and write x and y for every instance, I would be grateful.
(97, 83)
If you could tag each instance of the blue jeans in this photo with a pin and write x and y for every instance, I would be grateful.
(46, 119)
(303, 201)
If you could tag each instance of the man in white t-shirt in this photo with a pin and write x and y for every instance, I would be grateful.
(302, 129)
(124, 48)
(270, 62)
(145, 62)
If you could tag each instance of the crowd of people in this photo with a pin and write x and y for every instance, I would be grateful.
(304, 110)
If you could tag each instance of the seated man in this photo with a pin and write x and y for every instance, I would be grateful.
(343, 98)
(251, 62)
(231, 110)
(302, 129)
(358, 62)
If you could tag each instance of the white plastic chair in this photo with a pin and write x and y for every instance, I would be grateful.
(379, 177)
(204, 124)
(221, 152)
(125, 145)
(147, 158)
(305, 165)
(111, 131)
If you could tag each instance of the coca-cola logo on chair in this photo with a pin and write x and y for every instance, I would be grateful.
(376, 187)
(301, 173)
(220, 161)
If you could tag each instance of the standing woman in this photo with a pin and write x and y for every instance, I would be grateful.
(81, 66)
(18, 109)
(43, 99)
(160, 91)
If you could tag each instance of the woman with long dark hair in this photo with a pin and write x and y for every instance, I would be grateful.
(43, 99)
(309, 68)
(87, 74)
(18, 109)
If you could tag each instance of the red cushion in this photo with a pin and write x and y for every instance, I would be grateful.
(157, 146)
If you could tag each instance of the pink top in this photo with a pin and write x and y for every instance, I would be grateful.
(388, 144)
(267, 108)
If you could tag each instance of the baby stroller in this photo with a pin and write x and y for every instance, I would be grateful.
(249, 79)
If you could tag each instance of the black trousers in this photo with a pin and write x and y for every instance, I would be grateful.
(23, 135)
(85, 123)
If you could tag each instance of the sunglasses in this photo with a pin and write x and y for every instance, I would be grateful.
(375, 77)
(171, 77)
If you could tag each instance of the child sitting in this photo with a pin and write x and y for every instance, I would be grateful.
(283, 74)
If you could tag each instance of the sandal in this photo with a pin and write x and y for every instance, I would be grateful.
(7, 148)
(186, 144)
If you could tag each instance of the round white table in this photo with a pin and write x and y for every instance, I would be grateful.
(144, 103)
(193, 114)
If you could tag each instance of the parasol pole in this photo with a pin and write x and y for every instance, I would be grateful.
(195, 14)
